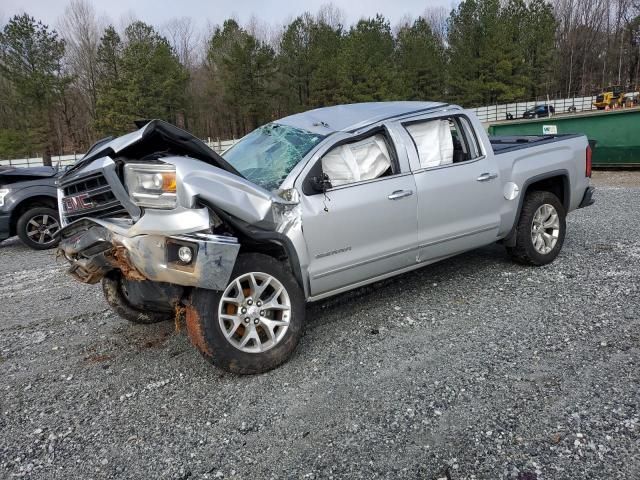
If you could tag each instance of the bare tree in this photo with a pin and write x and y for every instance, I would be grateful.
(624, 17)
(126, 19)
(581, 41)
(437, 18)
(405, 22)
(331, 15)
(184, 38)
(81, 31)
(263, 31)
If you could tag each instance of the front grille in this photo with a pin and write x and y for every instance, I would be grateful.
(90, 196)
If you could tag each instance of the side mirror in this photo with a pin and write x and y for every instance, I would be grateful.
(321, 183)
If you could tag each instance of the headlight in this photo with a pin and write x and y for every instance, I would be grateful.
(151, 185)
(3, 193)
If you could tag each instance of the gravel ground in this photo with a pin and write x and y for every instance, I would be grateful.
(474, 368)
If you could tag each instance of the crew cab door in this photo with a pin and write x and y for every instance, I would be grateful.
(459, 190)
(364, 225)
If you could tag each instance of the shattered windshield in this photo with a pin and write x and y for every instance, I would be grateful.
(269, 153)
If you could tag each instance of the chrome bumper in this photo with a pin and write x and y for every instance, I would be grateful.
(95, 247)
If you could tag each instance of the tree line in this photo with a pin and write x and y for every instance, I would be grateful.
(62, 88)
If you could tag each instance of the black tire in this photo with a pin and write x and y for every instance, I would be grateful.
(115, 295)
(206, 333)
(524, 251)
(40, 236)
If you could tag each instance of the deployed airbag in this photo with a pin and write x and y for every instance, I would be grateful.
(433, 141)
(354, 162)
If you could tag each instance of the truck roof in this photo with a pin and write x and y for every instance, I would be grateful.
(354, 116)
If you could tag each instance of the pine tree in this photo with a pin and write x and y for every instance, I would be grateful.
(366, 69)
(295, 63)
(420, 62)
(485, 65)
(245, 69)
(143, 79)
(31, 64)
(326, 43)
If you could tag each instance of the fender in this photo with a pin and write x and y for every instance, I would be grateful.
(263, 236)
(16, 197)
(510, 239)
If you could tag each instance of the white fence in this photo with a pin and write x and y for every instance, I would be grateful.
(217, 145)
(220, 145)
(498, 113)
(37, 161)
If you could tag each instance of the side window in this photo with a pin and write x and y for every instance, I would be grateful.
(472, 139)
(443, 141)
(365, 159)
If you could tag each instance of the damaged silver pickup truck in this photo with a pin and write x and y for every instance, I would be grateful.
(304, 208)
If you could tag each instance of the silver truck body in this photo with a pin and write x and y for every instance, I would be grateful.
(336, 240)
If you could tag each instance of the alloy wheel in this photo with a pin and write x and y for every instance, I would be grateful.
(41, 229)
(254, 312)
(545, 229)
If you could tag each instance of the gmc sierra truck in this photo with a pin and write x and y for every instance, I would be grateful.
(304, 208)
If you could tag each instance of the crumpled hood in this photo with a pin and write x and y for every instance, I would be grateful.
(156, 136)
(203, 177)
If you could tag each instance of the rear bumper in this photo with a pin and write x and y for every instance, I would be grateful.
(94, 247)
(5, 226)
(587, 199)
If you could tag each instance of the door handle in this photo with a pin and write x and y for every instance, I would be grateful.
(485, 177)
(400, 194)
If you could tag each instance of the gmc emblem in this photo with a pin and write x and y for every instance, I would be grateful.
(77, 202)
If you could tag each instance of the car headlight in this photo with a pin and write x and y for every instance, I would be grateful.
(3, 193)
(151, 185)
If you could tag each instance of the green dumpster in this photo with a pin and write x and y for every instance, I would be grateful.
(616, 132)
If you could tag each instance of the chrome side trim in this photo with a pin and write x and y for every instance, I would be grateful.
(363, 262)
(460, 235)
(384, 276)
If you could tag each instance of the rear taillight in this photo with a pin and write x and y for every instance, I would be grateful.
(587, 170)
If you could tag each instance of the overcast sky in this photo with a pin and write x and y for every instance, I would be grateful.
(274, 12)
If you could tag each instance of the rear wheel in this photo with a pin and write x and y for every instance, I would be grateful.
(255, 324)
(37, 228)
(541, 229)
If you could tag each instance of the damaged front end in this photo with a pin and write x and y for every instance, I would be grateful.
(112, 224)
(95, 247)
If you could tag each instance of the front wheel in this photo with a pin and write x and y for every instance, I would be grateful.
(255, 324)
(540, 231)
(115, 291)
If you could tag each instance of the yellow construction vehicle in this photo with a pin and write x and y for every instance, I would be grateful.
(611, 97)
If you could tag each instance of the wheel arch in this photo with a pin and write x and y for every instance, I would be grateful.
(256, 240)
(556, 182)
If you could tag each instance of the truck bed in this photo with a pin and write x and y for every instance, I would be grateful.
(503, 144)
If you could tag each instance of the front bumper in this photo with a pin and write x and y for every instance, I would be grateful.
(95, 247)
(5, 226)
